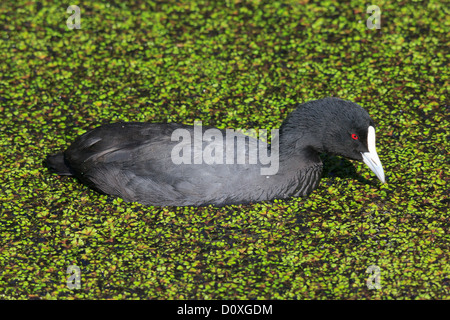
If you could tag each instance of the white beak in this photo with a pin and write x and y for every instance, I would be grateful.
(371, 158)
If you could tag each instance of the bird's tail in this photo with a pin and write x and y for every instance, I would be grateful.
(56, 164)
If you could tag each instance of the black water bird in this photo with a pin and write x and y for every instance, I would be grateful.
(181, 165)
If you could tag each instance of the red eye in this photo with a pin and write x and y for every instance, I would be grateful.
(355, 136)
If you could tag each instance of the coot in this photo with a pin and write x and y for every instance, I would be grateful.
(181, 165)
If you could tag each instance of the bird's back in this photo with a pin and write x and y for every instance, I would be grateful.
(135, 161)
